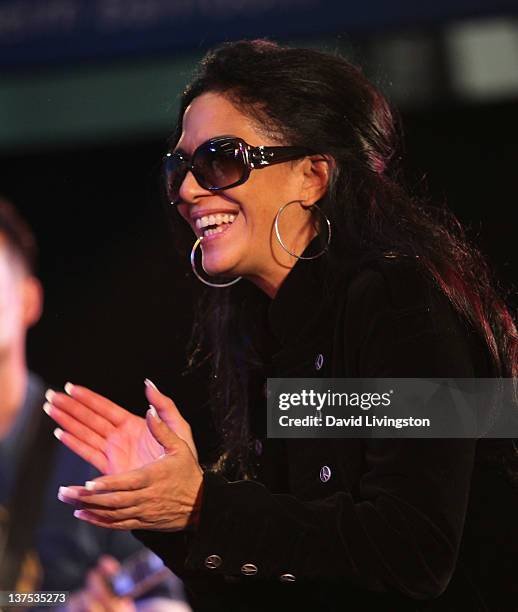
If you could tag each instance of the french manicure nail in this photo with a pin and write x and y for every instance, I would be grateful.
(91, 485)
(58, 432)
(78, 513)
(49, 395)
(47, 408)
(69, 387)
(150, 383)
(154, 413)
(67, 492)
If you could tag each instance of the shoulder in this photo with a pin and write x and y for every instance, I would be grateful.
(397, 298)
(397, 320)
(396, 283)
(401, 288)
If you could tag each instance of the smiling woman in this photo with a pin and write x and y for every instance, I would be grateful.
(375, 524)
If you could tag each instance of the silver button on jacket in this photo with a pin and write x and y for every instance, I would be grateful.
(287, 578)
(249, 569)
(213, 561)
(325, 473)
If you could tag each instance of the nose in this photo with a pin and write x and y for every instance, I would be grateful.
(190, 190)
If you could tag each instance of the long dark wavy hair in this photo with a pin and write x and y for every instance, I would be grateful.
(308, 98)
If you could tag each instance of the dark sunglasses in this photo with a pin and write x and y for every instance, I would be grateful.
(222, 163)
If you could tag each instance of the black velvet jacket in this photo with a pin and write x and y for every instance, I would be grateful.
(349, 524)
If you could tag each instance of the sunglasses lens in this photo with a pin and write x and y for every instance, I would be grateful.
(175, 169)
(219, 165)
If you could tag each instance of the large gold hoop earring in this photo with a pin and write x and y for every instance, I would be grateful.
(311, 209)
(198, 275)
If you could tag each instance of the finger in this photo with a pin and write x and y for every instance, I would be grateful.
(164, 405)
(127, 481)
(75, 427)
(169, 413)
(118, 499)
(90, 454)
(71, 494)
(74, 490)
(81, 412)
(110, 514)
(162, 433)
(89, 517)
(98, 403)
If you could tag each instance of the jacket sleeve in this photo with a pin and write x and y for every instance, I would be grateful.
(401, 529)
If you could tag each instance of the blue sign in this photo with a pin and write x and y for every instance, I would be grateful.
(46, 32)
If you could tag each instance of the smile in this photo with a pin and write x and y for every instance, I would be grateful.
(214, 224)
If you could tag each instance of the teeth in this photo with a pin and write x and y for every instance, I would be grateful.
(216, 219)
(214, 230)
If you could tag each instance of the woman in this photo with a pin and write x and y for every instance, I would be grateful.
(281, 165)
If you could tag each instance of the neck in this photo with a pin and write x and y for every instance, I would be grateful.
(282, 262)
(13, 383)
(270, 283)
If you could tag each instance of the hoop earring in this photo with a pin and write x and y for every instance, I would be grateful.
(310, 208)
(198, 275)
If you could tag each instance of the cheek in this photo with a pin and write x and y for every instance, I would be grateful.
(183, 212)
(11, 314)
(264, 193)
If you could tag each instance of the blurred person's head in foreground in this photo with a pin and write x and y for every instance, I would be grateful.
(21, 300)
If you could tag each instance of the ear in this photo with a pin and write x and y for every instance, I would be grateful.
(317, 173)
(32, 300)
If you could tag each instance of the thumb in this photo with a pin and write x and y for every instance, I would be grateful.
(169, 413)
(162, 433)
(164, 406)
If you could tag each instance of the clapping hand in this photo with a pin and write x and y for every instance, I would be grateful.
(153, 477)
(106, 435)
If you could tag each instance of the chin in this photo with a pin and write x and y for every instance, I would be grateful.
(223, 257)
(219, 266)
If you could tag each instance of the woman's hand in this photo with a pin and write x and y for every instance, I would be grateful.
(106, 435)
(164, 495)
(96, 594)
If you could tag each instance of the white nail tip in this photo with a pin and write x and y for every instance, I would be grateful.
(150, 383)
(58, 433)
(154, 413)
(69, 387)
(47, 408)
(90, 485)
(49, 395)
